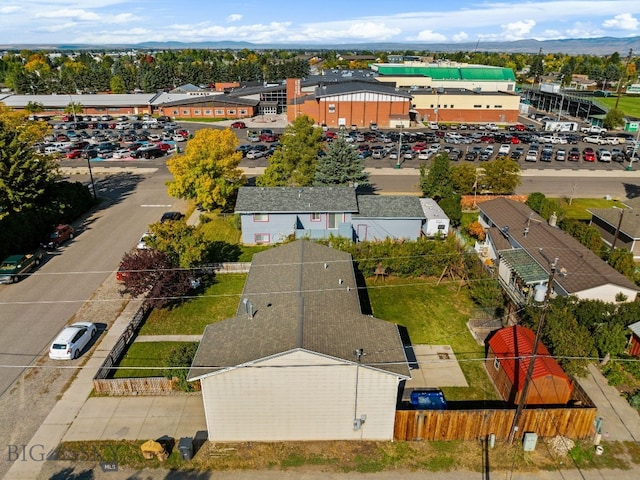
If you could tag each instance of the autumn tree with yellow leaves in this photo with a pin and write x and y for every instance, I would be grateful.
(207, 172)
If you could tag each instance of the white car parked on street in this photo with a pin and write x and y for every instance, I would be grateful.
(70, 342)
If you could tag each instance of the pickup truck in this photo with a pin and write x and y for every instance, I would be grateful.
(14, 267)
(593, 129)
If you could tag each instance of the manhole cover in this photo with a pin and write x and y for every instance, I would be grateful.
(443, 356)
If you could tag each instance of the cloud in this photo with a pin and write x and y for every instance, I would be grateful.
(234, 17)
(518, 30)
(429, 36)
(9, 9)
(584, 30)
(623, 21)
(460, 37)
(80, 14)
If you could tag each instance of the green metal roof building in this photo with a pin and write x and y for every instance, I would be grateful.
(436, 72)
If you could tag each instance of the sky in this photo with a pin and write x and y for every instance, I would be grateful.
(307, 23)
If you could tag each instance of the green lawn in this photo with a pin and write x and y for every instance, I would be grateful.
(578, 208)
(219, 301)
(145, 354)
(435, 315)
(222, 228)
(628, 105)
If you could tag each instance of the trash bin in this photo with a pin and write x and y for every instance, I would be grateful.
(185, 447)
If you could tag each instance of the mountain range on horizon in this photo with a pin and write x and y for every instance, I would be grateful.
(571, 46)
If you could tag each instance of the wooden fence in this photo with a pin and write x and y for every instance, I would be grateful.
(228, 267)
(575, 421)
(445, 425)
(121, 344)
(133, 386)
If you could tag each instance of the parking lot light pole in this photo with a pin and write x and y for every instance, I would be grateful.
(399, 146)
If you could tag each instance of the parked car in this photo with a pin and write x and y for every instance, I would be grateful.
(504, 149)
(121, 153)
(238, 125)
(517, 153)
(142, 243)
(532, 156)
(561, 155)
(253, 154)
(14, 267)
(60, 234)
(148, 152)
(72, 340)
(604, 155)
(171, 216)
(574, 154)
(588, 155)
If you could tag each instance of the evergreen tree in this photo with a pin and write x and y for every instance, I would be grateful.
(437, 181)
(340, 166)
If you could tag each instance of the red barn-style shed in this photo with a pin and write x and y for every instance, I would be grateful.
(507, 363)
(634, 346)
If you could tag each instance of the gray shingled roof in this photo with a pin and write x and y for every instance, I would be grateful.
(630, 225)
(296, 199)
(341, 88)
(584, 269)
(383, 206)
(304, 297)
(635, 328)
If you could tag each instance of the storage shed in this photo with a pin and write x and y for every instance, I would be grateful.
(634, 341)
(508, 357)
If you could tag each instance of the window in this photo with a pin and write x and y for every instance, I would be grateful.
(477, 106)
(262, 238)
(231, 112)
(207, 112)
(332, 108)
(496, 363)
(497, 106)
(334, 220)
(196, 112)
(260, 217)
(185, 112)
(315, 217)
(219, 112)
(488, 106)
(242, 112)
(441, 227)
(451, 105)
(175, 112)
(432, 105)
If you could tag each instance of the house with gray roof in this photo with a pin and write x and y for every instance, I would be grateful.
(618, 226)
(299, 360)
(272, 214)
(524, 246)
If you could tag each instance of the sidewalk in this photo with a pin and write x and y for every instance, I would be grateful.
(78, 417)
(620, 420)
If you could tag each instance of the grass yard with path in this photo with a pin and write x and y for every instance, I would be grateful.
(436, 314)
(578, 208)
(142, 356)
(628, 105)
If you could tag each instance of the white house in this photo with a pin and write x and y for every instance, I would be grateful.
(299, 361)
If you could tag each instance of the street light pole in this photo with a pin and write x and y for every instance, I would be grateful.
(399, 146)
(561, 98)
(532, 360)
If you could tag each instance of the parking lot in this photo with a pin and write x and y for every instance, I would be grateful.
(409, 148)
(101, 138)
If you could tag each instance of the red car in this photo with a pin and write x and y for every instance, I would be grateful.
(165, 147)
(514, 140)
(238, 125)
(60, 234)
(73, 154)
(588, 155)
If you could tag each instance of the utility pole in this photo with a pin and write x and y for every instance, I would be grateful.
(527, 380)
(624, 76)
